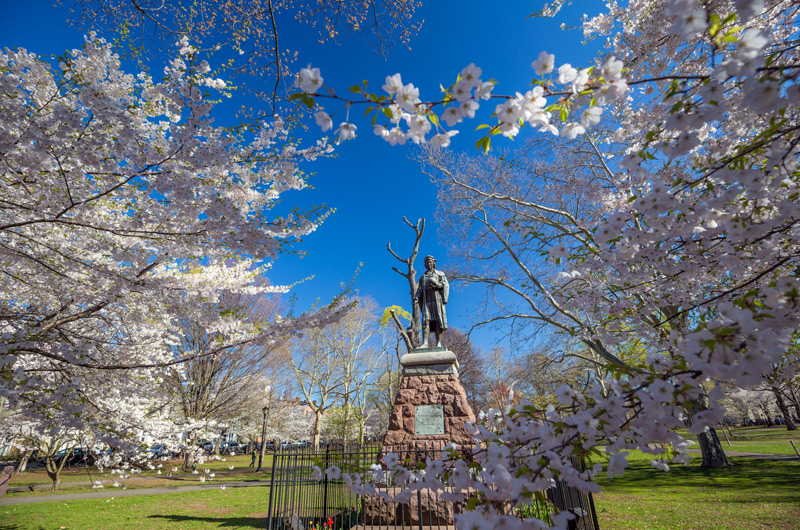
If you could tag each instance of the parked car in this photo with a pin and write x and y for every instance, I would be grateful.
(74, 456)
(208, 447)
(270, 446)
(158, 451)
(230, 447)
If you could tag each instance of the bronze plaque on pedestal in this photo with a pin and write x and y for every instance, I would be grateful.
(428, 419)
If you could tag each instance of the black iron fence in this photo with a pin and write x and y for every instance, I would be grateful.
(299, 500)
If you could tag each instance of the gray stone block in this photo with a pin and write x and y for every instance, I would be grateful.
(439, 356)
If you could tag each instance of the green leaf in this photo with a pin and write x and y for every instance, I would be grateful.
(713, 27)
(296, 96)
(388, 112)
(355, 89)
(369, 109)
(434, 118)
(308, 100)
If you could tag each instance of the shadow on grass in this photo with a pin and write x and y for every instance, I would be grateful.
(256, 523)
(780, 478)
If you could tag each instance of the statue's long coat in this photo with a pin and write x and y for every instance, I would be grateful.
(432, 299)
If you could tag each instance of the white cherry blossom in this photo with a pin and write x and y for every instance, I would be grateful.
(442, 140)
(393, 84)
(452, 115)
(346, 131)
(309, 80)
(566, 74)
(572, 130)
(471, 74)
(407, 97)
(323, 120)
(591, 116)
(544, 64)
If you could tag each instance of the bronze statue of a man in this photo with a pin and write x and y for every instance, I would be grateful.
(432, 293)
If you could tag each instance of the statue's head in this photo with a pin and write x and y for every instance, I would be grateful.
(430, 262)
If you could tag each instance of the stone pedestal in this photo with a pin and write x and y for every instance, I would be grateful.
(429, 412)
(430, 377)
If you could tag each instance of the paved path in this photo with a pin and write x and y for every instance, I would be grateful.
(116, 492)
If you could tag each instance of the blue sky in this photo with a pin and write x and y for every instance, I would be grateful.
(371, 184)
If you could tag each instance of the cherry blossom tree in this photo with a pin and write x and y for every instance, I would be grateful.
(512, 210)
(291, 420)
(122, 206)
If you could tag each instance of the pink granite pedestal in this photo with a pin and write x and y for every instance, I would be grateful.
(430, 377)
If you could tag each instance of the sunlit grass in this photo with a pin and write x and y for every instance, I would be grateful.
(752, 494)
(233, 508)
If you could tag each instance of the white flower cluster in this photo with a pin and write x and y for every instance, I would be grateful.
(409, 118)
(118, 234)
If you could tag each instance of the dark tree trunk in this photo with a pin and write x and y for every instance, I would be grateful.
(787, 417)
(711, 448)
(765, 410)
(188, 453)
(218, 443)
(710, 445)
(23, 463)
(54, 473)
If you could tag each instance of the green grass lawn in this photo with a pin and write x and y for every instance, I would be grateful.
(760, 434)
(776, 448)
(231, 509)
(752, 494)
(774, 440)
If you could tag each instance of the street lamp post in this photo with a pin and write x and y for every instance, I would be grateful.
(265, 410)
